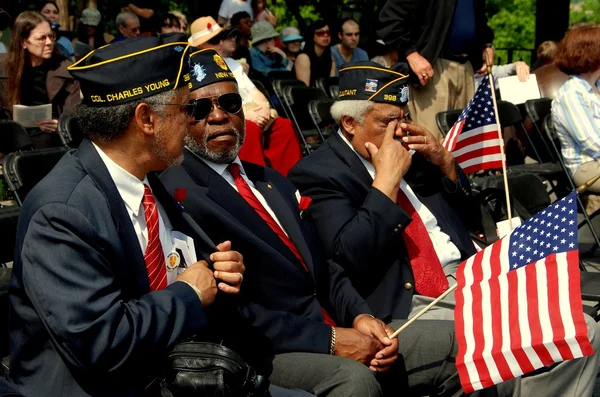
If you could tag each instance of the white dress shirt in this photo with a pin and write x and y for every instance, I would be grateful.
(131, 190)
(445, 249)
(221, 169)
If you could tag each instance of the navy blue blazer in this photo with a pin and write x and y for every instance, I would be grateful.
(361, 228)
(82, 319)
(279, 297)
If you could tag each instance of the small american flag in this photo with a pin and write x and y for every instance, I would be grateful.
(473, 140)
(518, 302)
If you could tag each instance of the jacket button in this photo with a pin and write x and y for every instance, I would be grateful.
(396, 230)
(408, 286)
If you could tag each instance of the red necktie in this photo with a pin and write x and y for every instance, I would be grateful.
(250, 197)
(154, 256)
(430, 279)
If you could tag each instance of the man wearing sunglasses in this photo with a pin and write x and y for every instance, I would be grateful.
(321, 331)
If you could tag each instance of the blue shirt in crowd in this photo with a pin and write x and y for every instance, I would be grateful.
(462, 31)
(266, 64)
(357, 55)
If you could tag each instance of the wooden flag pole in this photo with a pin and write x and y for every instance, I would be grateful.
(500, 137)
(425, 310)
(588, 184)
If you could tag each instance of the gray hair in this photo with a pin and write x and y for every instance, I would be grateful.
(109, 122)
(123, 17)
(357, 109)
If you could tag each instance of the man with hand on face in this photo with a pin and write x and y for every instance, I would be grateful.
(390, 206)
(266, 57)
(99, 292)
(322, 333)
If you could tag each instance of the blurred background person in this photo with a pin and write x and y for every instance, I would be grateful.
(347, 49)
(129, 26)
(168, 23)
(90, 33)
(183, 23)
(576, 109)
(384, 54)
(242, 21)
(545, 54)
(262, 13)
(146, 12)
(52, 13)
(5, 21)
(37, 75)
(315, 60)
(291, 40)
(266, 57)
(231, 7)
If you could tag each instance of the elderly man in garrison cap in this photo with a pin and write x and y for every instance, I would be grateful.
(322, 333)
(390, 206)
(99, 293)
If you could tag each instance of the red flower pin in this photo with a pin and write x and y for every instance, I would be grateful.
(208, 26)
(304, 203)
(180, 194)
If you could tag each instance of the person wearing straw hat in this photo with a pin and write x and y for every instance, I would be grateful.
(99, 294)
(391, 206)
(266, 57)
(270, 139)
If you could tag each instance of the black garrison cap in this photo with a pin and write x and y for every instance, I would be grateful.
(132, 69)
(207, 67)
(370, 81)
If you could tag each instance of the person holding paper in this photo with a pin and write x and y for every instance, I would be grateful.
(36, 75)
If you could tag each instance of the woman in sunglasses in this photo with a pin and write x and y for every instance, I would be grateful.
(316, 60)
(37, 75)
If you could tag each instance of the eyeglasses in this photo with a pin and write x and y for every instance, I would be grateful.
(190, 108)
(323, 33)
(230, 103)
(42, 39)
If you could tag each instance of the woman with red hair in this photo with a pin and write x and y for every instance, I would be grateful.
(576, 109)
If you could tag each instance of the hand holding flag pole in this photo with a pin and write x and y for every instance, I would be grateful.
(580, 190)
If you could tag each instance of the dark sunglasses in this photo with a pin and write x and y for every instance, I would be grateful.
(230, 103)
(323, 33)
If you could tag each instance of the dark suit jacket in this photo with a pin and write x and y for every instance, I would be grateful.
(361, 228)
(83, 321)
(280, 298)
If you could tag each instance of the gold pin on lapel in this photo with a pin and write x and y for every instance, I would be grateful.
(269, 186)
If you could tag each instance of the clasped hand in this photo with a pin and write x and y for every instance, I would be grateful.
(368, 342)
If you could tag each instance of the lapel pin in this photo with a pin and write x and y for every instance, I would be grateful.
(173, 260)
(269, 186)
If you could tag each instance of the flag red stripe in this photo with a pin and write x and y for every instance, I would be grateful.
(515, 329)
(450, 142)
(465, 140)
(460, 330)
(478, 331)
(478, 152)
(496, 312)
(483, 166)
(576, 304)
(535, 325)
(553, 302)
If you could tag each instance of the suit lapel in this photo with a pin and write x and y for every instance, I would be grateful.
(349, 157)
(96, 169)
(285, 215)
(181, 221)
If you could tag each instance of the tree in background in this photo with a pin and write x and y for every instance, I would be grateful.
(584, 11)
(513, 23)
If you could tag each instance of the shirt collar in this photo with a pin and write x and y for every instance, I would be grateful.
(368, 165)
(587, 85)
(221, 168)
(129, 186)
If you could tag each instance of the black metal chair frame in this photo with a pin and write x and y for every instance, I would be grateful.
(318, 121)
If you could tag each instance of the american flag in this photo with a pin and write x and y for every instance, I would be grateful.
(473, 140)
(518, 302)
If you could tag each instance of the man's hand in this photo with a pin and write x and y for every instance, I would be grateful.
(391, 161)
(48, 125)
(255, 115)
(352, 344)
(202, 277)
(421, 140)
(420, 66)
(522, 70)
(275, 50)
(229, 268)
(377, 329)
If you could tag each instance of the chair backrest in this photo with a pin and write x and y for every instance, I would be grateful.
(298, 98)
(538, 110)
(13, 137)
(8, 233)
(325, 83)
(281, 75)
(69, 132)
(279, 85)
(445, 120)
(509, 114)
(319, 110)
(334, 91)
(24, 169)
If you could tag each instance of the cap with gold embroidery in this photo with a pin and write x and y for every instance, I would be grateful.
(366, 80)
(207, 67)
(132, 69)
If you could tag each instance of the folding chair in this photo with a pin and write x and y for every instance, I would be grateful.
(537, 110)
(319, 110)
(279, 85)
(334, 91)
(445, 120)
(325, 83)
(297, 99)
(555, 145)
(69, 132)
(13, 137)
(24, 169)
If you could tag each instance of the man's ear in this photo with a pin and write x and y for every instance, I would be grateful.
(347, 123)
(120, 29)
(145, 119)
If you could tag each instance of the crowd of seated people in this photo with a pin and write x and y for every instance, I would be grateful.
(94, 292)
